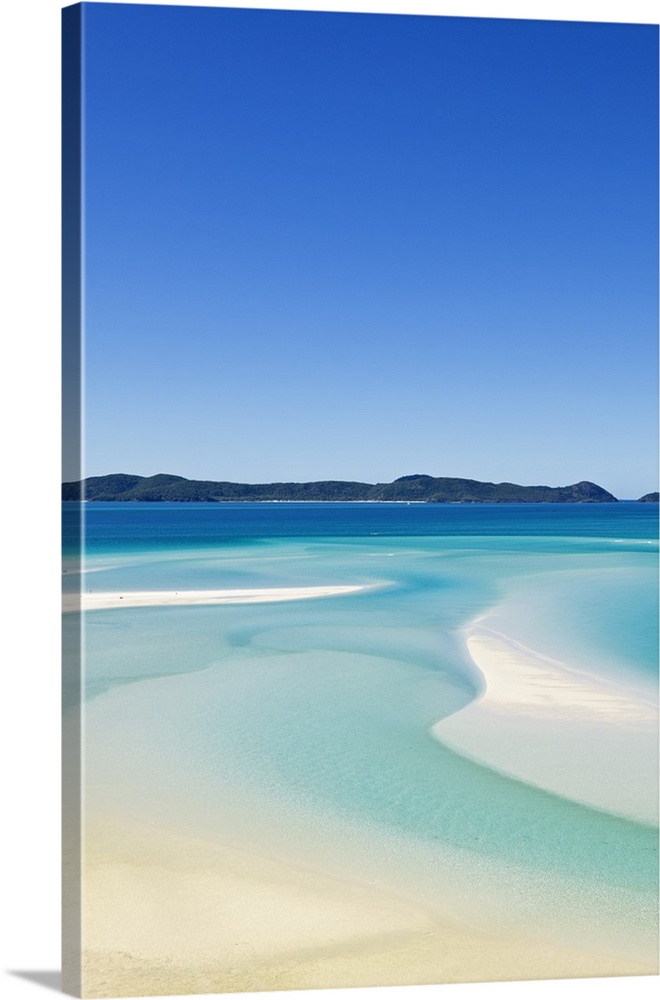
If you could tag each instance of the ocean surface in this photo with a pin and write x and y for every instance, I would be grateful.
(304, 729)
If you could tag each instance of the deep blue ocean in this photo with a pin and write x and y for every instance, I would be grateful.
(172, 524)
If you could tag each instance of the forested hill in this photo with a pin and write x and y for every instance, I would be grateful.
(428, 489)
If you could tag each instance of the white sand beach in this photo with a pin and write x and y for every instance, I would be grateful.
(168, 913)
(237, 829)
(100, 600)
(566, 731)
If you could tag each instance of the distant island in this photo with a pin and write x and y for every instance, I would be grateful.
(417, 488)
(649, 498)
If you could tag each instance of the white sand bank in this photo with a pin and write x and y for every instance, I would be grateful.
(566, 731)
(96, 601)
(166, 913)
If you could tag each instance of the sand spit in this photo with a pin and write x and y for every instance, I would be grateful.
(97, 600)
(566, 731)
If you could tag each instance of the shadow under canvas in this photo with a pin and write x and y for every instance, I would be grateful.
(49, 979)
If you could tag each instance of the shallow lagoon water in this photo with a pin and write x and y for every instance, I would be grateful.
(304, 728)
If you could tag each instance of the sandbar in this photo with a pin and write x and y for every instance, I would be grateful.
(101, 600)
(563, 730)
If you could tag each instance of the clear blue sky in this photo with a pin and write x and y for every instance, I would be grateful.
(362, 246)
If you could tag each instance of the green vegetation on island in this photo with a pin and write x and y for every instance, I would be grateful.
(649, 498)
(420, 488)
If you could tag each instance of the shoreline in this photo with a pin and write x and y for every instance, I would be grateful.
(436, 503)
(566, 731)
(171, 913)
(104, 600)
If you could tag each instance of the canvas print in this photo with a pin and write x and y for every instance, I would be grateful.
(360, 509)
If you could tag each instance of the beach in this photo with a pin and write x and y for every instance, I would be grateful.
(387, 778)
(201, 917)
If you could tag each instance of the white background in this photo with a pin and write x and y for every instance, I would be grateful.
(29, 488)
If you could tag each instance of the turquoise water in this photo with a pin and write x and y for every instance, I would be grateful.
(303, 728)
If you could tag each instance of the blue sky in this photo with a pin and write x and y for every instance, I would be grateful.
(361, 246)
